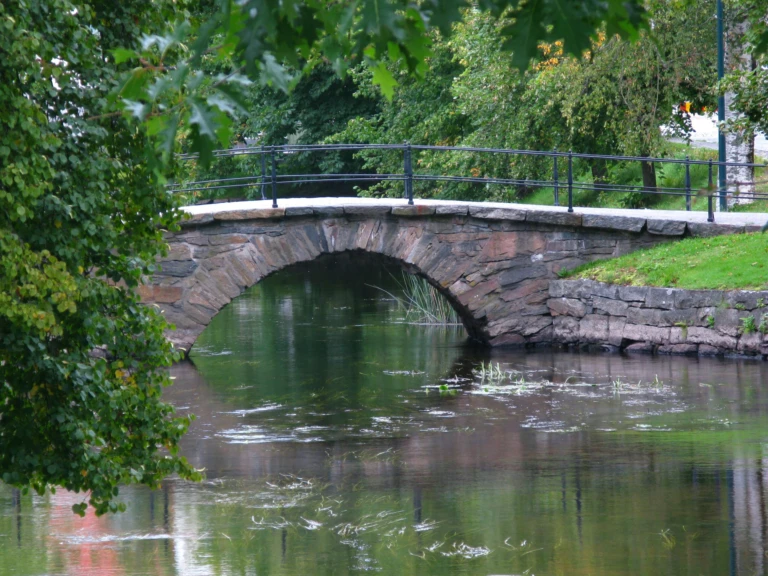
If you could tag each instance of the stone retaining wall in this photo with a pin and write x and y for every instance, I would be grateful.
(659, 320)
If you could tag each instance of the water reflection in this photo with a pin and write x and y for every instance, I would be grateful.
(339, 441)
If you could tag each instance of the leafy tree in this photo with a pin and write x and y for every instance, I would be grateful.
(319, 106)
(81, 220)
(611, 100)
(422, 111)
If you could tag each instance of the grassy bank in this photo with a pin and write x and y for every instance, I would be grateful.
(739, 261)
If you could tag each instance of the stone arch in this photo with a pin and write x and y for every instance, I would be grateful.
(492, 264)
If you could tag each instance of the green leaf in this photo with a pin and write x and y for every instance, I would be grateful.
(134, 86)
(235, 95)
(379, 16)
(275, 74)
(167, 141)
(203, 119)
(122, 55)
(383, 78)
(225, 104)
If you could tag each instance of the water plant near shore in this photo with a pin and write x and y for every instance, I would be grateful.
(422, 302)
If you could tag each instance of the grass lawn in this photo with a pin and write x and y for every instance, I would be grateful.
(738, 261)
(668, 175)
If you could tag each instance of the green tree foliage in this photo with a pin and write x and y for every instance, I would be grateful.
(613, 99)
(422, 111)
(750, 87)
(319, 106)
(80, 222)
(269, 39)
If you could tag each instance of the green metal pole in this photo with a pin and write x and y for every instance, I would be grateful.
(721, 109)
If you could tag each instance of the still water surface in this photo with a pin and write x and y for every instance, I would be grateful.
(338, 440)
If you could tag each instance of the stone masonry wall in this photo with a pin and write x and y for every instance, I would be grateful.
(659, 320)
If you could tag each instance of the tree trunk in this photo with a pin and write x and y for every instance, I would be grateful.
(739, 147)
(649, 176)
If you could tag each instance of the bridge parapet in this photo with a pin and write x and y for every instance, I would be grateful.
(493, 262)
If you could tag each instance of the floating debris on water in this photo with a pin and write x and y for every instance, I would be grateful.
(466, 551)
(425, 526)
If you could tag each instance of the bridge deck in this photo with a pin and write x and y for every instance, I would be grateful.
(750, 220)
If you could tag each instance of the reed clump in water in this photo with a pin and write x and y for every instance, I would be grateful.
(423, 303)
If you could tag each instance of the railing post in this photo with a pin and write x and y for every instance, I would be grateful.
(687, 183)
(710, 175)
(570, 180)
(710, 209)
(274, 178)
(555, 178)
(263, 172)
(408, 167)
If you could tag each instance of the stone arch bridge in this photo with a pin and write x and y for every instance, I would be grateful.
(493, 262)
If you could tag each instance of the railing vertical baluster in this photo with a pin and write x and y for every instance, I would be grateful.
(555, 178)
(710, 209)
(687, 183)
(263, 172)
(570, 180)
(710, 174)
(408, 167)
(274, 178)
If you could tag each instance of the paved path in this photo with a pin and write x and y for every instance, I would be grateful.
(704, 135)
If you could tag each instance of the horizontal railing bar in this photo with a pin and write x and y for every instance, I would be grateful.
(362, 174)
(289, 148)
(560, 154)
(280, 178)
(344, 179)
(353, 178)
(292, 148)
(482, 180)
(220, 187)
(546, 183)
(236, 179)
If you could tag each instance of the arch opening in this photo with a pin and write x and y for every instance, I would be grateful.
(333, 295)
(362, 282)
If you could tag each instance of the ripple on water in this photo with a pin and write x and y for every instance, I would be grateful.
(248, 434)
(265, 408)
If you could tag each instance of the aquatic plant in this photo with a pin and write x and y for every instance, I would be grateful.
(490, 373)
(668, 540)
(422, 302)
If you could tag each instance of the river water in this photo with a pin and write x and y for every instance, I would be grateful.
(337, 439)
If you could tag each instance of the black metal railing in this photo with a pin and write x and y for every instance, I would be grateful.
(270, 179)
